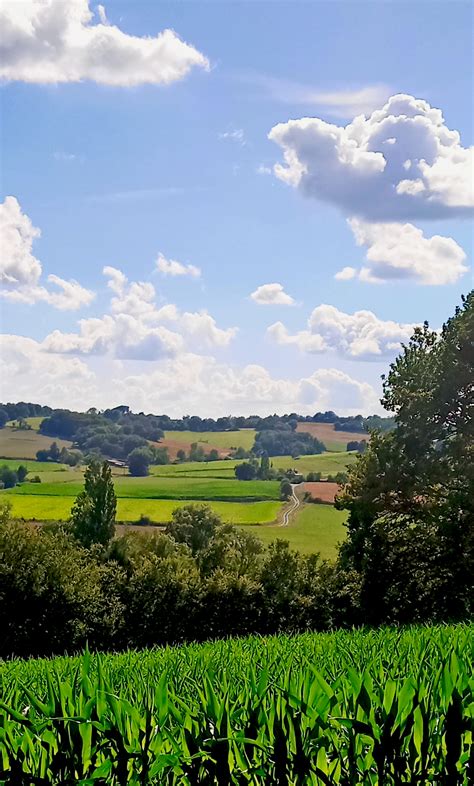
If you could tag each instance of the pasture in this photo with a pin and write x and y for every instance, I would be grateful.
(334, 440)
(24, 443)
(314, 528)
(58, 508)
(383, 706)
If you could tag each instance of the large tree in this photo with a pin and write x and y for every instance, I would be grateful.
(411, 495)
(93, 513)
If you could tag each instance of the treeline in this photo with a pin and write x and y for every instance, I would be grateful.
(356, 423)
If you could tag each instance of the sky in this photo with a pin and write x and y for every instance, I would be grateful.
(229, 208)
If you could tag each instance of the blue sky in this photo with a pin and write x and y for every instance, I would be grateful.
(114, 174)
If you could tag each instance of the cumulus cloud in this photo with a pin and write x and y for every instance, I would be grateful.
(401, 162)
(20, 270)
(171, 267)
(272, 295)
(25, 368)
(359, 336)
(401, 251)
(51, 41)
(346, 274)
(185, 383)
(137, 329)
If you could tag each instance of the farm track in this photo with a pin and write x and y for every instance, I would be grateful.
(294, 505)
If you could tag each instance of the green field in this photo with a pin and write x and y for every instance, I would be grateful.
(225, 440)
(326, 463)
(36, 467)
(19, 443)
(157, 510)
(155, 487)
(315, 528)
(379, 708)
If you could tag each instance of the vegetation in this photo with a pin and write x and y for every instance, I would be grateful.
(93, 513)
(283, 442)
(383, 707)
(410, 496)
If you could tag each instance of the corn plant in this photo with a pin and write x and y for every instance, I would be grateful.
(378, 708)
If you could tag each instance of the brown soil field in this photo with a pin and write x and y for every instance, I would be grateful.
(326, 433)
(323, 491)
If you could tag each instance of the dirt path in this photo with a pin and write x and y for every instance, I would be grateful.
(294, 504)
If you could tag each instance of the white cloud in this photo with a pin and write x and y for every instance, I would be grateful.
(272, 295)
(262, 169)
(401, 251)
(51, 41)
(362, 167)
(359, 336)
(337, 103)
(346, 274)
(20, 271)
(171, 267)
(185, 383)
(237, 135)
(136, 329)
(28, 372)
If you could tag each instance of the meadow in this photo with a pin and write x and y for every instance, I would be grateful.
(36, 508)
(24, 443)
(380, 707)
(314, 528)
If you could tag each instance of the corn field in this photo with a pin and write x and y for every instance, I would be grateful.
(376, 707)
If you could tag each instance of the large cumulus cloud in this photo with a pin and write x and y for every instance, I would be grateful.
(402, 162)
(50, 41)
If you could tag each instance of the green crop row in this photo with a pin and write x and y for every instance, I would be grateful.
(377, 708)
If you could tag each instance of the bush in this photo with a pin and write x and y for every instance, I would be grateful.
(8, 477)
(138, 462)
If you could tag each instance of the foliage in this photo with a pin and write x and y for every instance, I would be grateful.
(383, 707)
(285, 489)
(411, 495)
(246, 471)
(281, 443)
(138, 461)
(93, 513)
(8, 477)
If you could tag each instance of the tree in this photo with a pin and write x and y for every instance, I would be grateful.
(3, 418)
(93, 513)
(213, 455)
(193, 525)
(138, 462)
(245, 471)
(410, 496)
(285, 489)
(8, 477)
(21, 472)
(54, 452)
(181, 455)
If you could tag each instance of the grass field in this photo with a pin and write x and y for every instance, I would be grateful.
(16, 443)
(334, 440)
(374, 707)
(326, 463)
(155, 487)
(36, 467)
(158, 510)
(315, 528)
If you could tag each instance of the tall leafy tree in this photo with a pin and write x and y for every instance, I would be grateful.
(411, 495)
(93, 513)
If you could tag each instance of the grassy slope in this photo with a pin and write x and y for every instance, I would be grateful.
(154, 487)
(334, 440)
(217, 439)
(15, 443)
(326, 463)
(315, 528)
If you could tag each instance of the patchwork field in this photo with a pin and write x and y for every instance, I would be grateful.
(334, 440)
(326, 463)
(18, 443)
